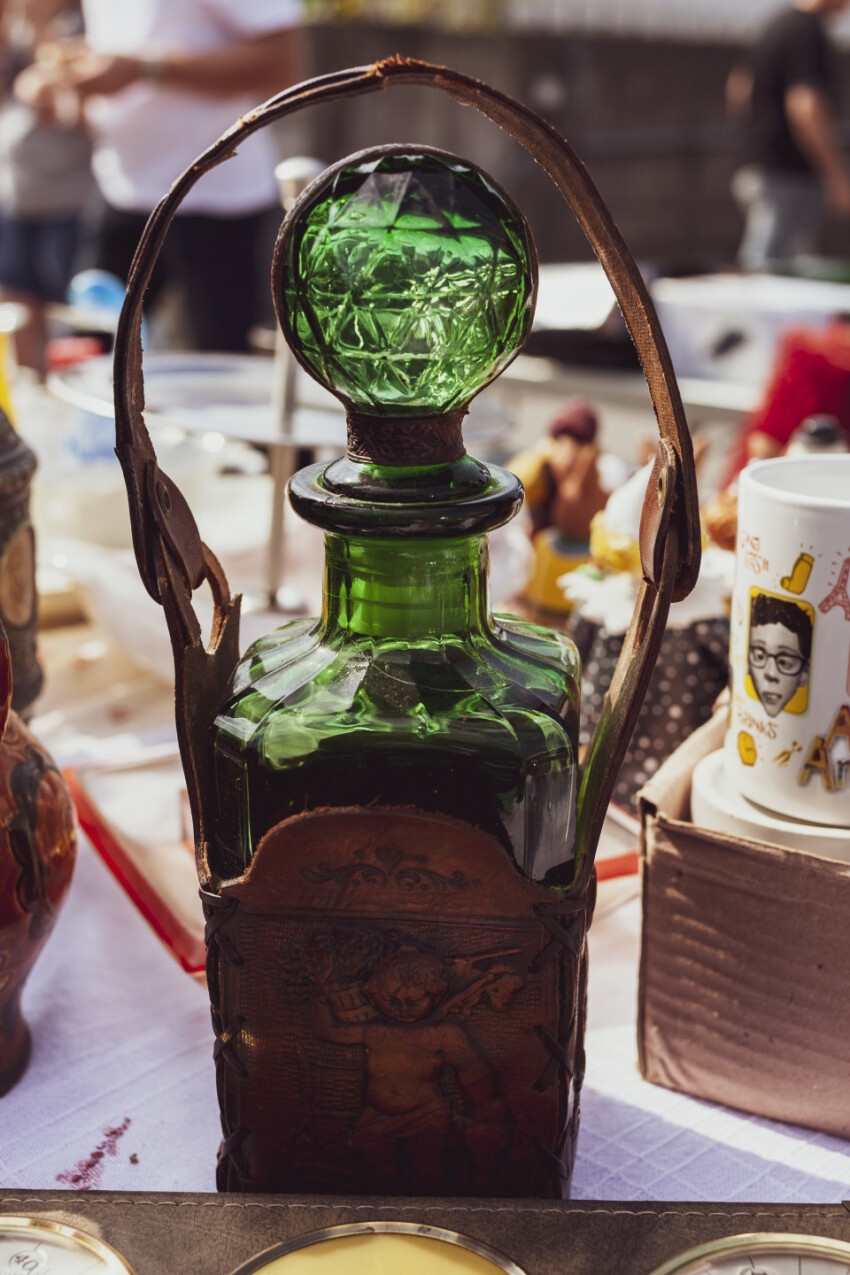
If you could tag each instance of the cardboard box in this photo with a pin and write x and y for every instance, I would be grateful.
(745, 962)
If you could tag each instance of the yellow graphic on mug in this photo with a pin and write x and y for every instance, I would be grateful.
(779, 648)
(800, 572)
(747, 748)
(830, 764)
(782, 758)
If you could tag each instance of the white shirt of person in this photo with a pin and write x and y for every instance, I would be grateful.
(148, 133)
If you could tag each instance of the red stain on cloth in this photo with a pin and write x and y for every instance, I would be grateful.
(86, 1174)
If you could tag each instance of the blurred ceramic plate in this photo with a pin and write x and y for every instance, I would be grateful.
(87, 499)
(231, 394)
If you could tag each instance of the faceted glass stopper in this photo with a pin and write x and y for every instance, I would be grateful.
(405, 281)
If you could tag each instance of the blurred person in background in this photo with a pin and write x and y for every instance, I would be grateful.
(785, 100)
(45, 166)
(160, 81)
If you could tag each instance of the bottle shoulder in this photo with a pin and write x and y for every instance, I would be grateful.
(281, 646)
(536, 642)
(455, 685)
(292, 643)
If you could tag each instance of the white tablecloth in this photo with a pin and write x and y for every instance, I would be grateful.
(120, 1093)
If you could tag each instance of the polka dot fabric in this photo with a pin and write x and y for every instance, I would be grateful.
(692, 670)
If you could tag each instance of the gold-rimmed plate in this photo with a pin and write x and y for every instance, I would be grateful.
(381, 1248)
(39, 1246)
(763, 1254)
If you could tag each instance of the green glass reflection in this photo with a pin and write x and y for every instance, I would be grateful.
(407, 282)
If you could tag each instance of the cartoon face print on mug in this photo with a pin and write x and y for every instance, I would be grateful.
(779, 648)
(788, 743)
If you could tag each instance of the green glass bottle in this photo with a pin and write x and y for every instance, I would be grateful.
(405, 281)
(406, 691)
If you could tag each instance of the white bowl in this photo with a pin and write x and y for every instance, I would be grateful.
(718, 807)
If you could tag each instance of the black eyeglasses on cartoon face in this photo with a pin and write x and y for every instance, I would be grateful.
(786, 662)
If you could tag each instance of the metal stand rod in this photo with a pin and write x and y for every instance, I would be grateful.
(293, 176)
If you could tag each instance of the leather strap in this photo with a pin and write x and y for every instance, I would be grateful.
(5, 681)
(173, 561)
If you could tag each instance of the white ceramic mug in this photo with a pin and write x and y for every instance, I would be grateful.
(788, 743)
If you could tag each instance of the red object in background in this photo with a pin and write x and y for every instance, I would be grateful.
(811, 377)
(185, 944)
(619, 865)
(63, 351)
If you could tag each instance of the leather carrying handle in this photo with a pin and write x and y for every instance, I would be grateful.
(5, 681)
(173, 561)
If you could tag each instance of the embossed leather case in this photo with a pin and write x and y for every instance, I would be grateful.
(432, 1051)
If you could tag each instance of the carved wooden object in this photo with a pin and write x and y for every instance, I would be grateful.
(37, 851)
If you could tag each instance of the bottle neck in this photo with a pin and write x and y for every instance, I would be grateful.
(406, 589)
